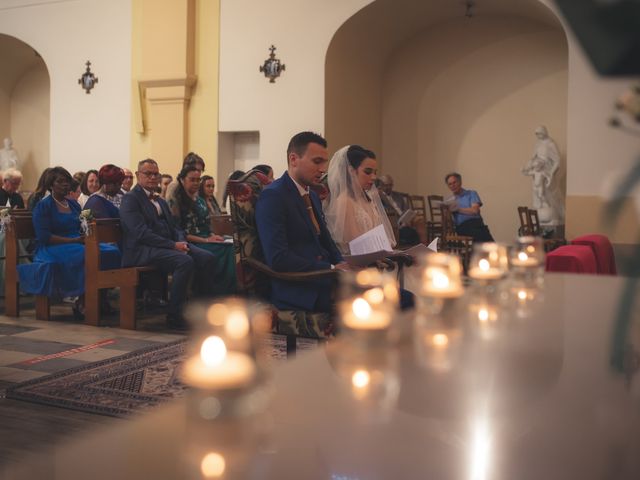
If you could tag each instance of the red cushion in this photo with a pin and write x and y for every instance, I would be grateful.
(572, 259)
(603, 251)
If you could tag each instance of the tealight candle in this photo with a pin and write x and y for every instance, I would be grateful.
(484, 271)
(437, 283)
(488, 262)
(362, 317)
(522, 259)
(216, 369)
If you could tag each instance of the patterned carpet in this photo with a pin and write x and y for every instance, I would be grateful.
(127, 384)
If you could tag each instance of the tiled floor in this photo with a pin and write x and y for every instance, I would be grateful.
(31, 348)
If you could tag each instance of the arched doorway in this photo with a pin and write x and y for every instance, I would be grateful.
(433, 91)
(24, 106)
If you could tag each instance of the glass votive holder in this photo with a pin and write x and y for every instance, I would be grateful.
(437, 341)
(489, 263)
(441, 281)
(221, 366)
(370, 300)
(527, 259)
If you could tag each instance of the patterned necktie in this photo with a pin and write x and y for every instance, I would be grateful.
(312, 215)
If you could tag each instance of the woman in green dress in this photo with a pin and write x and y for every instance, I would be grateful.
(192, 214)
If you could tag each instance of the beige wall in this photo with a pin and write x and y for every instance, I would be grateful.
(30, 123)
(175, 81)
(301, 30)
(85, 130)
(467, 96)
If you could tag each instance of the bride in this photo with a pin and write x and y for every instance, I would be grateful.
(354, 206)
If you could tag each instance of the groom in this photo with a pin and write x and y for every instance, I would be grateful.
(292, 229)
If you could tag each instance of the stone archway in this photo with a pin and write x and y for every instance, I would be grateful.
(432, 91)
(24, 105)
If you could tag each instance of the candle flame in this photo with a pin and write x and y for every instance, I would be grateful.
(522, 294)
(360, 378)
(440, 340)
(361, 308)
(522, 256)
(212, 465)
(213, 351)
(484, 264)
(483, 314)
(440, 280)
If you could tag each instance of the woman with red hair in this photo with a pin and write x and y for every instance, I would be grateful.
(105, 203)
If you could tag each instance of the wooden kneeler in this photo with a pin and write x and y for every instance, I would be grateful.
(127, 279)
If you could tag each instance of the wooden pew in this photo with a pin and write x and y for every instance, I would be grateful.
(20, 228)
(127, 279)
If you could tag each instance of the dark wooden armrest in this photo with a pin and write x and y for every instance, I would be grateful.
(290, 276)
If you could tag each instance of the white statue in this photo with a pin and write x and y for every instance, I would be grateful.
(542, 167)
(8, 156)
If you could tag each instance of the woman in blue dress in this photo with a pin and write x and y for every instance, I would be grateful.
(192, 214)
(57, 270)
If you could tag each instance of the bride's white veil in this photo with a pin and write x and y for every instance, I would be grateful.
(346, 195)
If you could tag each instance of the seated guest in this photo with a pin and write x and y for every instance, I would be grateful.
(127, 183)
(89, 185)
(354, 206)
(415, 231)
(74, 190)
(9, 195)
(165, 180)
(192, 215)
(466, 210)
(190, 159)
(206, 192)
(292, 230)
(266, 169)
(225, 197)
(105, 203)
(150, 237)
(58, 264)
(41, 191)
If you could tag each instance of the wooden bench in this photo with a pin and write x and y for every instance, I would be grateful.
(127, 279)
(20, 228)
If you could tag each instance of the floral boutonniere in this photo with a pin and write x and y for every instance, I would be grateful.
(85, 217)
(5, 218)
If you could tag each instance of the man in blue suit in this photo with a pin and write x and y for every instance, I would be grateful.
(292, 229)
(151, 238)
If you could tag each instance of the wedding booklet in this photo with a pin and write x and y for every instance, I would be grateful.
(369, 247)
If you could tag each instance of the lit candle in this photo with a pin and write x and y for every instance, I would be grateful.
(215, 368)
(524, 260)
(484, 271)
(362, 317)
(438, 284)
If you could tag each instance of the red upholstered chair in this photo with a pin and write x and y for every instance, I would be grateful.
(572, 259)
(603, 251)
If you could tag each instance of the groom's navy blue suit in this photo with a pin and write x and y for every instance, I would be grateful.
(290, 244)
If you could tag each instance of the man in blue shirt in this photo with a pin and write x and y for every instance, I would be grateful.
(466, 210)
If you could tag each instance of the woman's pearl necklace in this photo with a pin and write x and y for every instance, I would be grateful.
(63, 205)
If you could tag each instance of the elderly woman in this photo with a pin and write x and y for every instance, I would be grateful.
(105, 203)
(192, 214)
(89, 185)
(58, 263)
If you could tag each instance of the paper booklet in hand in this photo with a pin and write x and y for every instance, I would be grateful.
(406, 218)
(369, 247)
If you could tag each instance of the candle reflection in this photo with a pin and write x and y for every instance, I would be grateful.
(480, 450)
(213, 465)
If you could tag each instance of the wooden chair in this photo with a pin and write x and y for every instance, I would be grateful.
(452, 242)
(254, 275)
(418, 205)
(108, 230)
(550, 244)
(434, 225)
(526, 228)
(222, 224)
(19, 228)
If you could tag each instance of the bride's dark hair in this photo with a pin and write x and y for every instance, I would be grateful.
(356, 155)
